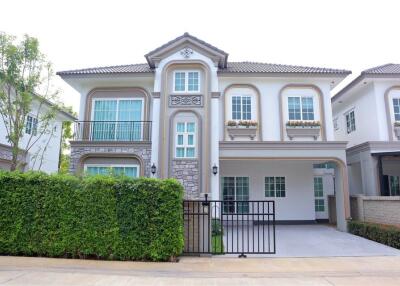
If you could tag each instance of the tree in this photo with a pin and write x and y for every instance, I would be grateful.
(25, 79)
(66, 135)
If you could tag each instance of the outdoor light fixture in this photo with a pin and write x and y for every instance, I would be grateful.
(215, 169)
(153, 169)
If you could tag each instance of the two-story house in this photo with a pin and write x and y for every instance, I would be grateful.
(366, 113)
(43, 143)
(232, 130)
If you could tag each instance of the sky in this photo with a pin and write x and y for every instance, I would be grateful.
(347, 34)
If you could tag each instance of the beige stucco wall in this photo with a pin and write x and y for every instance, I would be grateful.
(376, 209)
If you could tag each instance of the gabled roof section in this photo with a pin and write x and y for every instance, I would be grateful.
(154, 56)
(134, 68)
(256, 67)
(387, 70)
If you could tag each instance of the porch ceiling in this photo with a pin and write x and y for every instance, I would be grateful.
(314, 150)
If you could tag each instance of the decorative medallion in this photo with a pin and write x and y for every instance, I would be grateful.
(185, 100)
(186, 52)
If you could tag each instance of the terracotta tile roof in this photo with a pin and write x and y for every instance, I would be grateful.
(134, 68)
(233, 67)
(255, 67)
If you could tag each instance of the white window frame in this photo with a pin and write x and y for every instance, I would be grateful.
(241, 106)
(32, 127)
(319, 198)
(118, 99)
(352, 127)
(185, 135)
(336, 123)
(186, 72)
(275, 191)
(301, 107)
(394, 113)
(113, 166)
(225, 203)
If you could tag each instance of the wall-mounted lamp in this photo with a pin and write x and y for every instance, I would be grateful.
(153, 169)
(215, 169)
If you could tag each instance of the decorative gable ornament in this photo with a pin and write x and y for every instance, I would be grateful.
(187, 52)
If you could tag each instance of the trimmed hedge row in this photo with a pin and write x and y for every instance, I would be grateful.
(389, 235)
(101, 217)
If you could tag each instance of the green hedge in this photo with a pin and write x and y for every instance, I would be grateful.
(389, 235)
(101, 217)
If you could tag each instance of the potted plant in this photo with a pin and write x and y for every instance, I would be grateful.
(303, 128)
(242, 128)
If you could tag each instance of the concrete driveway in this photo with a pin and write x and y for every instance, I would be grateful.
(311, 241)
(195, 271)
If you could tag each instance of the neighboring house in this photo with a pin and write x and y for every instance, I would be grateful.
(44, 155)
(366, 113)
(233, 130)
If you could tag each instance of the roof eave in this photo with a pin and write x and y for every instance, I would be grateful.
(361, 77)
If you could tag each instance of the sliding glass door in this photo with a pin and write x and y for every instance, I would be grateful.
(117, 119)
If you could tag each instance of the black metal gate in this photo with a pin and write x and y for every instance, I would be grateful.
(229, 227)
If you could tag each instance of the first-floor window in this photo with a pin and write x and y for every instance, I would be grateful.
(394, 185)
(31, 125)
(350, 121)
(275, 187)
(185, 142)
(319, 194)
(235, 193)
(118, 170)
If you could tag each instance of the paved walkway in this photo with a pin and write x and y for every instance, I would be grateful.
(308, 241)
(203, 271)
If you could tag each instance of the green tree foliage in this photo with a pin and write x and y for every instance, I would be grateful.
(25, 78)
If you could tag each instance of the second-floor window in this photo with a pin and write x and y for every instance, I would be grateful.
(31, 125)
(301, 108)
(350, 121)
(185, 144)
(117, 119)
(396, 109)
(186, 81)
(241, 107)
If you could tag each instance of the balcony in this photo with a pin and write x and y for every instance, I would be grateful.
(126, 131)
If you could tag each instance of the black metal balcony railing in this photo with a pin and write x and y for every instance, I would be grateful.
(112, 131)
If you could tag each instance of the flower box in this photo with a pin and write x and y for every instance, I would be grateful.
(241, 131)
(303, 129)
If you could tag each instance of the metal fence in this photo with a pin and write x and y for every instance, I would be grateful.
(229, 227)
(112, 130)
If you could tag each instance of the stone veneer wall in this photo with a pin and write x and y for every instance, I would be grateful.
(377, 209)
(143, 151)
(5, 152)
(6, 156)
(188, 173)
